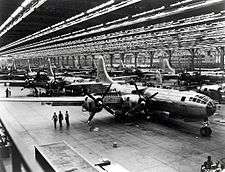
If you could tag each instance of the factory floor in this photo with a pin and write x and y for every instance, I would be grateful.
(142, 146)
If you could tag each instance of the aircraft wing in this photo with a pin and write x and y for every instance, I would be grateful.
(12, 81)
(89, 85)
(124, 77)
(85, 83)
(60, 101)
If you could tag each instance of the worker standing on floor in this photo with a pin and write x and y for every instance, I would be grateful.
(55, 119)
(7, 92)
(60, 116)
(67, 119)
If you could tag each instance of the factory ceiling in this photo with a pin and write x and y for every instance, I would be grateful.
(26, 22)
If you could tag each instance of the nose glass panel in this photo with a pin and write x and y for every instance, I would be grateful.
(210, 108)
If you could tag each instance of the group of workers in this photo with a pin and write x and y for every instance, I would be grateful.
(60, 117)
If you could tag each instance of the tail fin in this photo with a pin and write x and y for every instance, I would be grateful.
(166, 66)
(158, 77)
(121, 65)
(50, 68)
(13, 65)
(102, 75)
(75, 63)
(29, 68)
(93, 64)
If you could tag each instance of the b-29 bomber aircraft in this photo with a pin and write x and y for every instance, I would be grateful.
(131, 99)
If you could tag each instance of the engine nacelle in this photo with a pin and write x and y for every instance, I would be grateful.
(133, 103)
(91, 105)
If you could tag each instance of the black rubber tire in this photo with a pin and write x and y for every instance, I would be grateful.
(205, 131)
(149, 116)
(120, 117)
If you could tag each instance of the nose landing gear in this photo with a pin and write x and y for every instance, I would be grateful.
(205, 131)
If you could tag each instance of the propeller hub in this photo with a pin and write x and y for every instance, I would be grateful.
(92, 104)
(142, 103)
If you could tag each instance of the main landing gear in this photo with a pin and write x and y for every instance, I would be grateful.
(205, 131)
(120, 116)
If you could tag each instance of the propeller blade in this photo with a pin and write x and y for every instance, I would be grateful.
(153, 95)
(92, 97)
(136, 87)
(107, 90)
(107, 108)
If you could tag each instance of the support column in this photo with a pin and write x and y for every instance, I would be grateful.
(17, 62)
(31, 61)
(151, 54)
(45, 60)
(221, 51)
(67, 60)
(111, 57)
(73, 62)
(85, 60)
(79, 62)
(58, 61)
(42, 60)
(34, 61)
(51, 60)
(93, 61)
(39, 61)
(54, 60)
(144, 61)
(122, 56)
(193, 52)
(62, 61)
(135, 59)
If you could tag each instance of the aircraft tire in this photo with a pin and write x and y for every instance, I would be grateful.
(119, 116)
(149, 116)
(205, 131)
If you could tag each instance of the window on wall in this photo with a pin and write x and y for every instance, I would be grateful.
(183, 99)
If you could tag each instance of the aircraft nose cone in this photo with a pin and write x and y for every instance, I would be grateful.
(211, 108)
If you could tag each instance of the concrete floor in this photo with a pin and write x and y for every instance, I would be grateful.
(169, 146)
(163, 146)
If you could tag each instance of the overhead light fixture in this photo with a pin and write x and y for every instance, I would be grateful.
(79, 33)
(18, 10)
(20, 13)
(90, 15)
(100, 6)
(26, 3)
